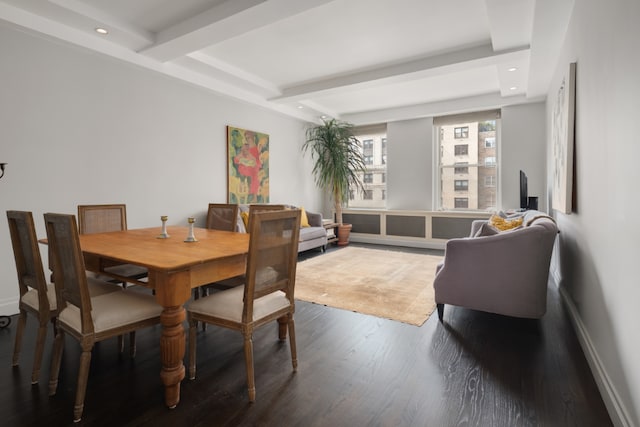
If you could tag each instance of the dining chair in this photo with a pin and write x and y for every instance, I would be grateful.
(258, 207)
(88, 319)
(105, 218)
(37, 297)
(222, 216)
(267, 295)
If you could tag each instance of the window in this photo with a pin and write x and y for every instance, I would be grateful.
(461, 202)
(461, 184)
(461, 169)
(374, 154)
(467, 155)
(367, 148)
(461, 132)
(384, 151)
(461, 150)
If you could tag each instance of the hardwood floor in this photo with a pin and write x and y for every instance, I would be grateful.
(476, 369)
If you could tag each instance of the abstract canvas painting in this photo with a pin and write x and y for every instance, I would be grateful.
(248, 166)
(562, 134)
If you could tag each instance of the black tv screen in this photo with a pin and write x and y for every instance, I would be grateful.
(523, 190)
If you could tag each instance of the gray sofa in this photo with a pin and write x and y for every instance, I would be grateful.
(314, 236)
(499, 272)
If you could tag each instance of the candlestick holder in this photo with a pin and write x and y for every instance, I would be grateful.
(191, 237)
(163, 233)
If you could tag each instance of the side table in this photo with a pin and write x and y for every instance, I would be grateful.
(332, 231)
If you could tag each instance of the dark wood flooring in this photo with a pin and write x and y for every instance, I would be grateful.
(476, 369)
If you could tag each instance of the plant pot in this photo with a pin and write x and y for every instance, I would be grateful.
(343, 234)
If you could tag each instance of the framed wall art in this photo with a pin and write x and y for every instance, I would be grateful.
(562, 134)
(248, 166)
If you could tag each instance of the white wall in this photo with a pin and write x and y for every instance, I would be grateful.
(78, 127)
(598, 248)
(522, 147)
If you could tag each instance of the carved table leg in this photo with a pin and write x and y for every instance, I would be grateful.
(172, 348)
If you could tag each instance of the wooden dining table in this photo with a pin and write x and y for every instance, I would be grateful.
(175, 267)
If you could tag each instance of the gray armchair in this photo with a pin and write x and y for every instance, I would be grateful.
(505, 273)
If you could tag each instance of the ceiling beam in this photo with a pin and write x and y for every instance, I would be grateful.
(510, 22)
(550, 24)
(411, 70)
(140, 36)
(439, 108)
(222, 22)
(227, 71)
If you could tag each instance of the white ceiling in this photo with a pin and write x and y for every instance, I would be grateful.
(364, 61)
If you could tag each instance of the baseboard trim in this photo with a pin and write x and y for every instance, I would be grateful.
(385, 240)
(616, 408)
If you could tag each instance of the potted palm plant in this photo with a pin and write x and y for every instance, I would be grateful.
(338, 163)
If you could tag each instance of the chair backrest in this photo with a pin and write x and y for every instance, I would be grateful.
(222, 216)
(102, 218)
(261, 208)
(68, 266)
(273, 256)
(27, 257)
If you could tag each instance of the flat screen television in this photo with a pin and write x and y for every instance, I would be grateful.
(524, 196)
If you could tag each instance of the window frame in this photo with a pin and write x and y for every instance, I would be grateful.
(463, 132)
(457, 150)
(460, 199)
(460, 187)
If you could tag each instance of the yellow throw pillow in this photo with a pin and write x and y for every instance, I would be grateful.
(304, 221)
(503, 224)
(245, 219)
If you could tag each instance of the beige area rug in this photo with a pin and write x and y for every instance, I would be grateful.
(390, 284)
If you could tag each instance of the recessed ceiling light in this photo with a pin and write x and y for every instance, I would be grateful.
(512, 69)
(513, 88)
(101, 30)
(300, 107)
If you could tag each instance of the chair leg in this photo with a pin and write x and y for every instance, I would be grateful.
(55, 326)
(440, 308)
(292, 342)
(132, 344)
(248, 357)
(83, 377)
(282, 328)
(121, 343)
(22, 321)
(37, 358)
(193, 326)
(197, 293)
(56, 358)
